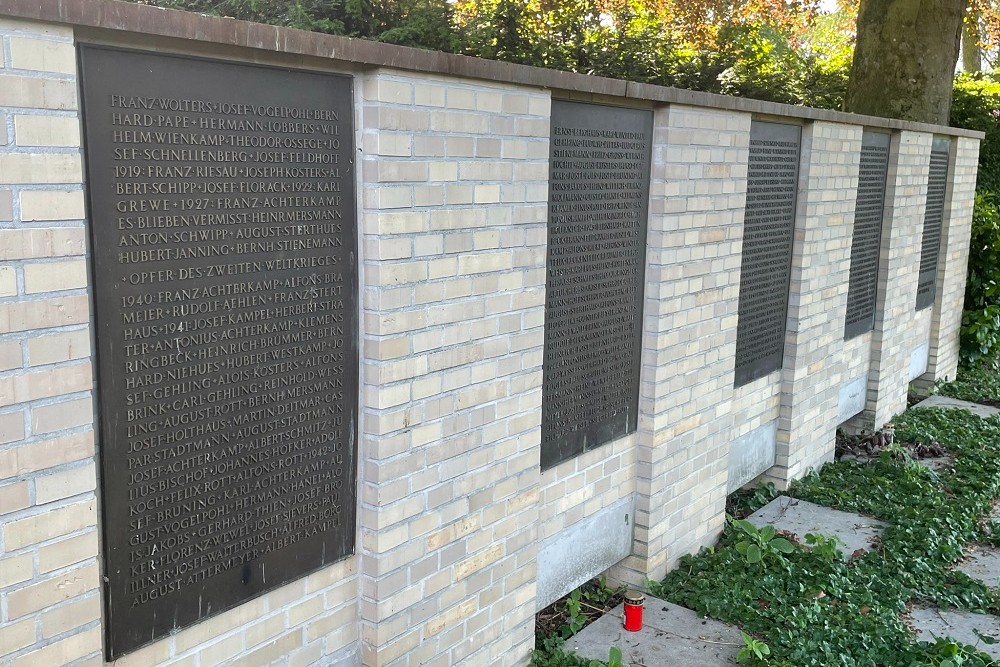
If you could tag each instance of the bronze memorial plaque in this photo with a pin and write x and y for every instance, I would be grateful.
(867, 239)
(599, 159)
(930, 243)
(766, 264)
(221, 202)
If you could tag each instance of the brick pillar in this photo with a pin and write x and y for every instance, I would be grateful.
(697, 196)
(454, 210)
(894, 338)
(953, 261)
(817, 303)
(50, 604)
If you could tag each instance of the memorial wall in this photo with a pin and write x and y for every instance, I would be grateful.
(318, 352)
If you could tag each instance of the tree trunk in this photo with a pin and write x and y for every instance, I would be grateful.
(904, 61)
(972, 55)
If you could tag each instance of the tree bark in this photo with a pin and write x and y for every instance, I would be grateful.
(972, 55)
(904, 61)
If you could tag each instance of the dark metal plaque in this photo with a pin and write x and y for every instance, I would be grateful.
(222, 213)
(930, 246)
(599, 159)
(768, 229)
(863, 283)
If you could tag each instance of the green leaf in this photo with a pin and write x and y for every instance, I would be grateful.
(767, 533)
(782, 545)
(753, 554)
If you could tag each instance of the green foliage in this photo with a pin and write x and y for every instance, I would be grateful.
(824, 546)
(977, 384)
(575, 616)
(975, 105)
(758, 545)
(614, 658)
(747, 501)
(752, 650)
(812, 607)
(624, 39)
(551, 651)
(980, 336)
(422, 23)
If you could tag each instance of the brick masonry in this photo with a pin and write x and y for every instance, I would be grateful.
(821, 264)
(452, 506)
(956, 229)
(454, 208)
(697, 195)
(898, 328)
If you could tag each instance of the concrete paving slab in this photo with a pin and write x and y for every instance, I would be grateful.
(982, 563)
(983, 411)
(958, 625)
(937, 462)
(799, 517)
(670, 635)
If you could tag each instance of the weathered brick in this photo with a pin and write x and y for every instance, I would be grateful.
(39, 205)
(65, 483)
(28, 169)
(42, 55)
(47, 242)
(6, 205)
(55, 276)
(67, 617)
(14, 497)
(63, 651)
(58, 347)
(40, 454)
(59, 416)
(38, 93)
(46, 131)
(67, 552)
(11, 430)
(52, 591)
(44, 313)
(16, 569)
(8, 281)
(44, 384)
(17, 635)
(50, 524)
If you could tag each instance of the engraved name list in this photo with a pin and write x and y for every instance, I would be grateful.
(223, 225)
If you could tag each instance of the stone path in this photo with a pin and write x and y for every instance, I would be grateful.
(982, 563)
(959, 625)
(671, 636)
(984, 411)
(676, 636)
(799, 517)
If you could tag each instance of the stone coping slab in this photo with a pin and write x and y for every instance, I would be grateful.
(856, 532)
(671, 636)
(958, 625)
(983, 411)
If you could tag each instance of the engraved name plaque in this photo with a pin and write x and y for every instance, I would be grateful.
(930, 243)
(768, 228)
(221, 205)
(599, 158)
(867, 237)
